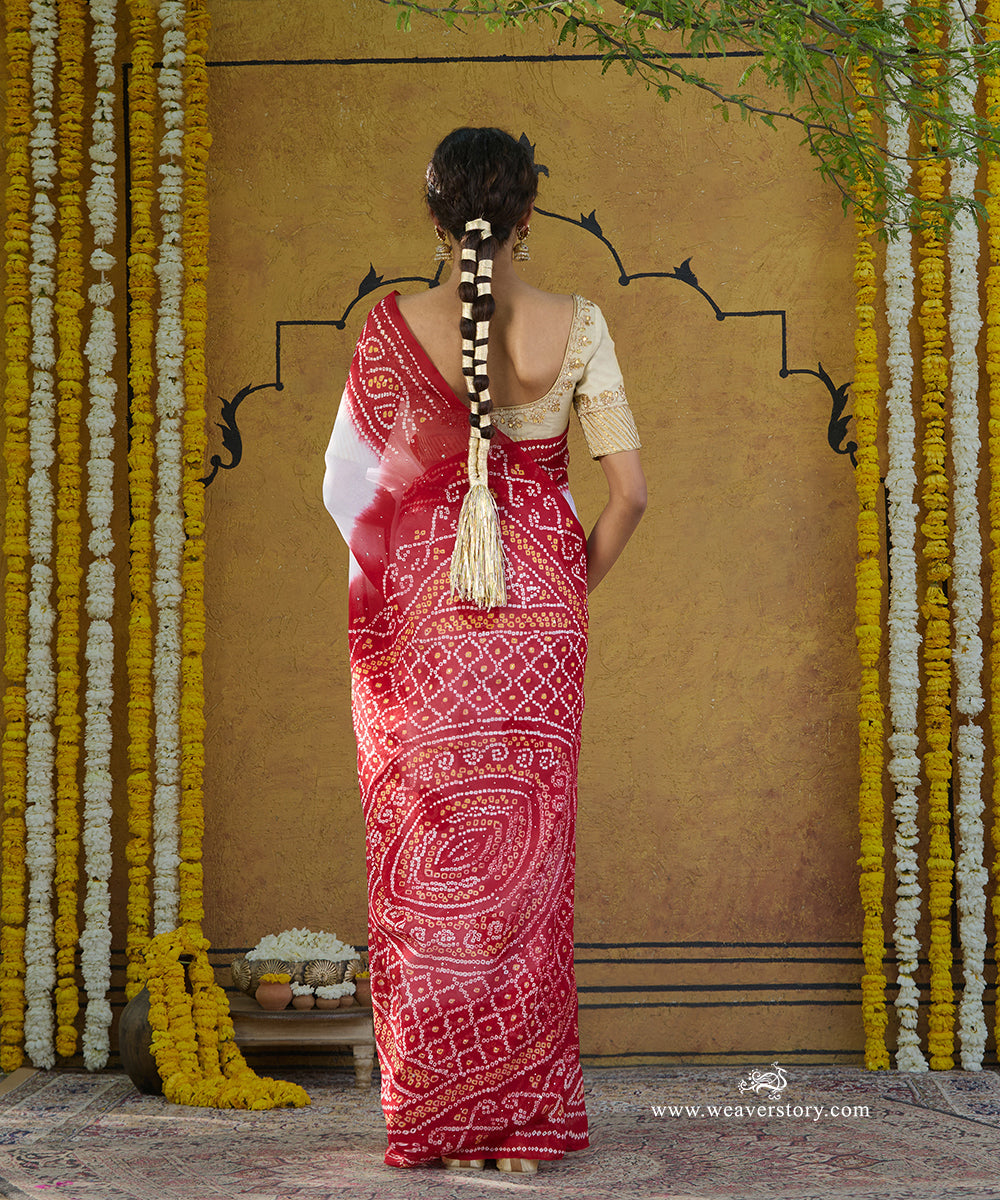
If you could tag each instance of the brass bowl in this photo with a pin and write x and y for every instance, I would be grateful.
(241, 974)
(323, 973)
(247, 971)
(318, 972)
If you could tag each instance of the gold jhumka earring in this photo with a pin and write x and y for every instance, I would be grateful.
(521, 253)
(442, 251)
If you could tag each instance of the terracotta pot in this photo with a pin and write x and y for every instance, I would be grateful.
(327, 1005)
(363, 992)
(135, 1040)
(273, 996)
(303, 1002)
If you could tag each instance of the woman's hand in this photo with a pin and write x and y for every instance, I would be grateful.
(622, 513)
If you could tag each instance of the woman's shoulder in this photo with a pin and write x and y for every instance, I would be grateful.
(537, 314)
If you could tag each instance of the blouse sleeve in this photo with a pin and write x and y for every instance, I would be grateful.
(600, 401)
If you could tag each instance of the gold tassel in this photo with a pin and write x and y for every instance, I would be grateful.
(477, 563)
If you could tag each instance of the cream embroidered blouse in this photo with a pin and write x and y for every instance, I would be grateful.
(590, 380)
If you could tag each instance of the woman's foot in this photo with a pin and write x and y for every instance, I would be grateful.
(463, 1164)
(515, 1166)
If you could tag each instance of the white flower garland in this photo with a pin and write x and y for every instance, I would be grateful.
(95, 937)
(904, 638)
(40, 954)
(168, 528)
(967, 592)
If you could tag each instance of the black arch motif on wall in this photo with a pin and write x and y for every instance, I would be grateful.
(232, 439)
(785, 953)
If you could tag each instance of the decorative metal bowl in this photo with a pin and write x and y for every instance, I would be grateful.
(318, 972)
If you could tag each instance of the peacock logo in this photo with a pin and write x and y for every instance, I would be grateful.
(772, 1082)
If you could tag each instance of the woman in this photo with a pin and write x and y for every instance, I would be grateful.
(468, 640)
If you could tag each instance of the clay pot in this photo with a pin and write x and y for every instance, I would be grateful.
(135, 1039)
(327, 1005)
(363, 992)
(303, 1002)
(273, 997)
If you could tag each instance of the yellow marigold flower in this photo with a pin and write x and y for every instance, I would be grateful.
(868, 608)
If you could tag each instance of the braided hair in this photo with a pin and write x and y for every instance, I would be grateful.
(480, 182)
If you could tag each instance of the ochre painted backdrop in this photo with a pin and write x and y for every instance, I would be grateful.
(717, 913)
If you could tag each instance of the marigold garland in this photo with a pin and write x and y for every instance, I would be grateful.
(869, 600)
(195, 319)
(13, 884)
(869, 584)
(139, 658)
(937, 633)
(993, 372)
(193, 1041)
(69, 389)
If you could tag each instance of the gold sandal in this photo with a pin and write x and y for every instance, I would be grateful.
(518, 1166)
(463, 1164)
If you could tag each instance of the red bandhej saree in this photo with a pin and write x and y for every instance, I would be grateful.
(468, 730)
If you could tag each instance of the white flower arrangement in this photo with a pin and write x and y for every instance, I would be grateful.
(40, 683)
(967, 591)
(904, 638)
(168, 524)
(95, 937)
(301, 989)
(334, 991)
(302, 945)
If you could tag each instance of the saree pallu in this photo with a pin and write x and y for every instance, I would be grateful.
(468, 730)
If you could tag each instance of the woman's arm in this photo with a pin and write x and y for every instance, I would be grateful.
(622, 513)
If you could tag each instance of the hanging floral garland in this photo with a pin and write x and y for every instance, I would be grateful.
(69, 388)
(869, 599)
(168, 529)
(964, 326)
(904, 638)
(139, 658)
(193, 1041)
(95, 939)
(13, 885)
(937, 635)
(992, 15)
(195, 319)
(40, 800)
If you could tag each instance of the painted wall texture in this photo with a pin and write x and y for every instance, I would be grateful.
(717, 913)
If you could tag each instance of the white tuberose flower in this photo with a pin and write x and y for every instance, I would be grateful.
(302, 945)
(95, 938)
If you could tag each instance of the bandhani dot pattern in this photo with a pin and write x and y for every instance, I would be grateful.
(468, 729)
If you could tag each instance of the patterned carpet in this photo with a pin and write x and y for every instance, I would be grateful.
(930, 1137)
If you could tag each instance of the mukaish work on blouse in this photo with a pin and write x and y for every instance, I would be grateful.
(590, 381)
(468, 728)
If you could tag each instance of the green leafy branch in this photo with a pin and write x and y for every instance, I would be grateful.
(806, 60)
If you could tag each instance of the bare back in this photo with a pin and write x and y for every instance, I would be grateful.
(528, 335)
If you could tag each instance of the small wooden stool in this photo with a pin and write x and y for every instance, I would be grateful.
(255, 1027)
